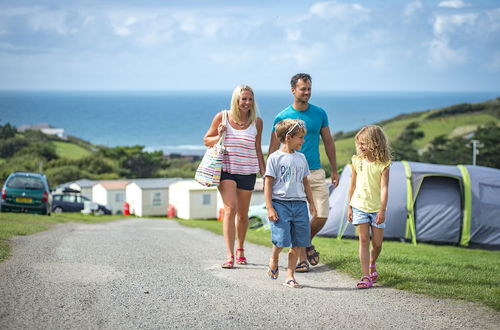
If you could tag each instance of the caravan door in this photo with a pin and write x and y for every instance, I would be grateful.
(438, 210)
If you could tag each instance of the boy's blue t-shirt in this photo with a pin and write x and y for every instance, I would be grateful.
(315, 119)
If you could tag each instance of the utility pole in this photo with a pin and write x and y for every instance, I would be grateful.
(475, 146)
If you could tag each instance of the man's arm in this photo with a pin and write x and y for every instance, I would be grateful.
(331, 153)
(274, 144)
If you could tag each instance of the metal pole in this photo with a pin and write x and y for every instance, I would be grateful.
(474, 142)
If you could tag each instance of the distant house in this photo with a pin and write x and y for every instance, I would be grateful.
(84, 186)
(44, 128)
(192, 200)
(111, 194)
(148, 197)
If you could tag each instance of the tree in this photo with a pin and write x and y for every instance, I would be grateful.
(7, 131)
(443, 150)
(489, 153)
(402, 148)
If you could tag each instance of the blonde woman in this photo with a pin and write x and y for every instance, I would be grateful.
(242, 160)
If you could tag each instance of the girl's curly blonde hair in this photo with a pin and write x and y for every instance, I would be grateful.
(376, 142)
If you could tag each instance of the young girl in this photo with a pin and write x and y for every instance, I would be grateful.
(368, 197)
(286, 190)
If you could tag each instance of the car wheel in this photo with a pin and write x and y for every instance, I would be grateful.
(255, 222)
(58, 209)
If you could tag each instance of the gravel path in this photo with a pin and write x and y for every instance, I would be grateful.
(157, 274)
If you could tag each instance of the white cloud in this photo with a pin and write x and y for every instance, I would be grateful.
(352, 13)
(293, 34)
(453, 4)
(441, 55)
(446, 24)
(412, 8)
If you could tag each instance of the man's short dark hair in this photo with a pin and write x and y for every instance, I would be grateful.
(303, 76)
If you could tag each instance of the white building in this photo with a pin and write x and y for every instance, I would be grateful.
(84, 186)
(192, 200)
(148, 197)
(111, 194)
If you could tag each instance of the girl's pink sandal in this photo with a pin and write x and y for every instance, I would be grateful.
(241, 260)
(364, 283)
(229, 263)
(374, 274)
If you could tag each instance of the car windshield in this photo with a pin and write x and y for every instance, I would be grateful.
(25, 182)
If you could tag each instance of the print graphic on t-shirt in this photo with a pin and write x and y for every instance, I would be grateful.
(291, 174)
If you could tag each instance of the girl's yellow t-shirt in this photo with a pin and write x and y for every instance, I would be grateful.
(366, 196)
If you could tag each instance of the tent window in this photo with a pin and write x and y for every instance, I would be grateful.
(206, 199)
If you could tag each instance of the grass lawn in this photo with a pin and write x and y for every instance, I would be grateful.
(15, 224)
(70, 150)
(438, 271)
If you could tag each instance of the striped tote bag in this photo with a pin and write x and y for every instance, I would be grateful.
(209, 170)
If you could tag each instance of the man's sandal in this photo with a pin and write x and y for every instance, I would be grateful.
(302, 267)
(229, 263)
(373, 274)
(364, 283)
(273, 274)
(292, 284)
(241, 260)
(313, 257)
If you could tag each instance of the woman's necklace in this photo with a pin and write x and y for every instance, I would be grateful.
(242, 124)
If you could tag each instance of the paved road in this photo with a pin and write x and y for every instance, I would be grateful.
(157, 274)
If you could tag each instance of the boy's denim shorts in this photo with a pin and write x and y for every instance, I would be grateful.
(292, 227)
(359, 217)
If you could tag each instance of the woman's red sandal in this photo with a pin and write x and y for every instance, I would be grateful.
(241, 260)
(229, 263)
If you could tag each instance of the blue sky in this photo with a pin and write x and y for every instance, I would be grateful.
(377, 45)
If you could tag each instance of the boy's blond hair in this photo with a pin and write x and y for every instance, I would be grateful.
(376, 142)
(290, 127)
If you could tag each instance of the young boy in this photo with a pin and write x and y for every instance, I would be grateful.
(286, 190)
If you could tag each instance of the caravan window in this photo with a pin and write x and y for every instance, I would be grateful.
(156, 199)
(119, 198)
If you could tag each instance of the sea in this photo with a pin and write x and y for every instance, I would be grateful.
(175, 122)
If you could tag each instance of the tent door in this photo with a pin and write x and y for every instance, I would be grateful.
(438, 210)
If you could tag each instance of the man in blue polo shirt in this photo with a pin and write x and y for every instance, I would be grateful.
(317, 127)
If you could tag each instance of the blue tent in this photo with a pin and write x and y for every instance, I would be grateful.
(441, 204)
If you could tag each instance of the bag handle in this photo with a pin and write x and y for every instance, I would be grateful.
(223, 136)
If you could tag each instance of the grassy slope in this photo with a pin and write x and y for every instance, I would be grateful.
(450, 126)
(438, 271)
(70, 150)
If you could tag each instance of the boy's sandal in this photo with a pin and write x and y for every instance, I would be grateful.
(364, 283)
(302, 267)
(241, 260)
(292, 284)
(229, 263)
(273, 274)
(374, 274)
(313, 257)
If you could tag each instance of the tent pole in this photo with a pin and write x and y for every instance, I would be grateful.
(467, 211)
(410, 217)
